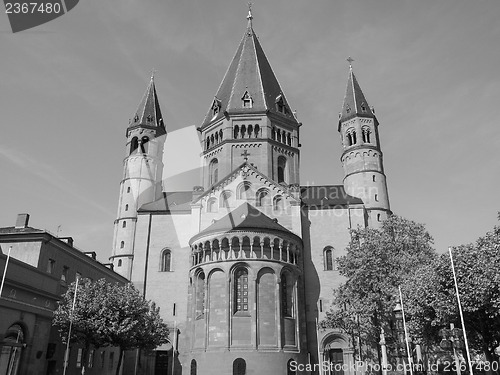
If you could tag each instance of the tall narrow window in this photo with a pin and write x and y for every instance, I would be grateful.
(64, 275)
(124, 224)
(328, 258)
(213, 171)
(119, 262)
(111, 361)
(200, 295)
(144, 145)
(366, 134)
(263, 198)
(91, 358)
(79, 358)
(286, 295)
(243, 191)
(126, 207)
(224, 199)
(194, 367)
(166, 258)
(51, 265)
(241, 290)
(134, 144)
(278, 203)
(239, 367)
(282, 169)
(236, 131)
(257, 130)
(122, 244)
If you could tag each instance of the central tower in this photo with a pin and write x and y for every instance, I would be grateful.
(250, 120)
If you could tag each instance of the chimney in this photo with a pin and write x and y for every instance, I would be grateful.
(22, 221)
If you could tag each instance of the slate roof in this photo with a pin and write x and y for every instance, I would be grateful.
(355, 103)
(244, 217)
(250, 72)
(173, 201)
(323, 196)
(148, 113)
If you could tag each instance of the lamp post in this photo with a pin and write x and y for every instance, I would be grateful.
(402, 339)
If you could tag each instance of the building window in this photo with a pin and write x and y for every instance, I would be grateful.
(144, 145)
(257, 131)
(122, 244)
(363, 107)
(244, 190)
(278, 203)
(351, 137)
(216, 105)
(224, 199)
(126, 207)
(194, 367)
(134, 144)
(247, 100)
(378, 217)
(241, 290)
(103, 356)
(366, 134)
(212, 205)
(50, 265)
(282, 169)
(376, 197)
(124, 224)
(91, 358)
(64, 275)
(329, 259)
(79, 358)
(111, 360)
(280, 104)
(128, 189)
(166, 258)
(373, 178)
(263, 198)
(200, 295)
(236, 132)
(119, 262)
(286, 295)
(213, 171)
(239, 367)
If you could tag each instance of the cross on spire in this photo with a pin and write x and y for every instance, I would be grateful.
(249, 17)
(350, 60)
(245, 154)
(153, 74)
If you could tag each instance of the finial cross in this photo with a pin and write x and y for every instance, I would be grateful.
(245, 154)
(153, 74)
(350, 60)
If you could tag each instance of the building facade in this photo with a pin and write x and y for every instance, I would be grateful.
(243, 265)
(39, 269)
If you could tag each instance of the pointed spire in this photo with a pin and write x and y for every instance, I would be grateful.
(355, 103)
(148, 113)
(249, 85)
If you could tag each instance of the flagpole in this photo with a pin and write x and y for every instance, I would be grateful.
(5, 271)
(66, 354)
(461, 313)
(406, 333)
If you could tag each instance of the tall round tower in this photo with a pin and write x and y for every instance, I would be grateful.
(142, 176)
(362, 157)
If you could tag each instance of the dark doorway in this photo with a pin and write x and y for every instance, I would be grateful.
(161, 362)
(336, 357)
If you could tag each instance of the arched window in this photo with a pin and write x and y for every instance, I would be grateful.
(194, 367)
(239, 367)
(263, 198)
(134, 144)
(126, 207)
(208, 143)
(366, 134)
(213, 171)
(122, 244)
(10, 355)
(257, 130)
(236, 131)
(220, 135)
(128, 189)
(351, 137)
(119, 262)
(243, 131)
(329, 259)
(250, 131)
(144, 145)
(200, 295)
(278, 203)
(282, 170)
(273, 134)
(278, 135)
(224, 199)
(289, 139)
(212, 205)
(166, 261)
(286, 295)
(241, 290)
(243, 191)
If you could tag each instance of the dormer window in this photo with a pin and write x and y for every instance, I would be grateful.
(280, 104)
(247, 100)
(216, 105)
(363, 107)
(347, 109)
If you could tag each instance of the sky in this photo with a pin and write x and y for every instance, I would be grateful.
(429, 67)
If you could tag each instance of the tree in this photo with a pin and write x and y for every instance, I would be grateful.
(433, 304)
(109, 314)
(376, 263)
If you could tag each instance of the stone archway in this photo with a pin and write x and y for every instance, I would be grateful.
(11, 350)
(337, 355)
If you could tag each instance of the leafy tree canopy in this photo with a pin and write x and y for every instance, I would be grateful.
(109, 314)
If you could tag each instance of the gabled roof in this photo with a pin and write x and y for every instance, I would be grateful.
(244, 217)
(148, 113)
(174, 201)
(323, 196)
(355, 103)
(249, 75)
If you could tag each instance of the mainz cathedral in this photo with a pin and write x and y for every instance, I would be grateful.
(243, 265)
